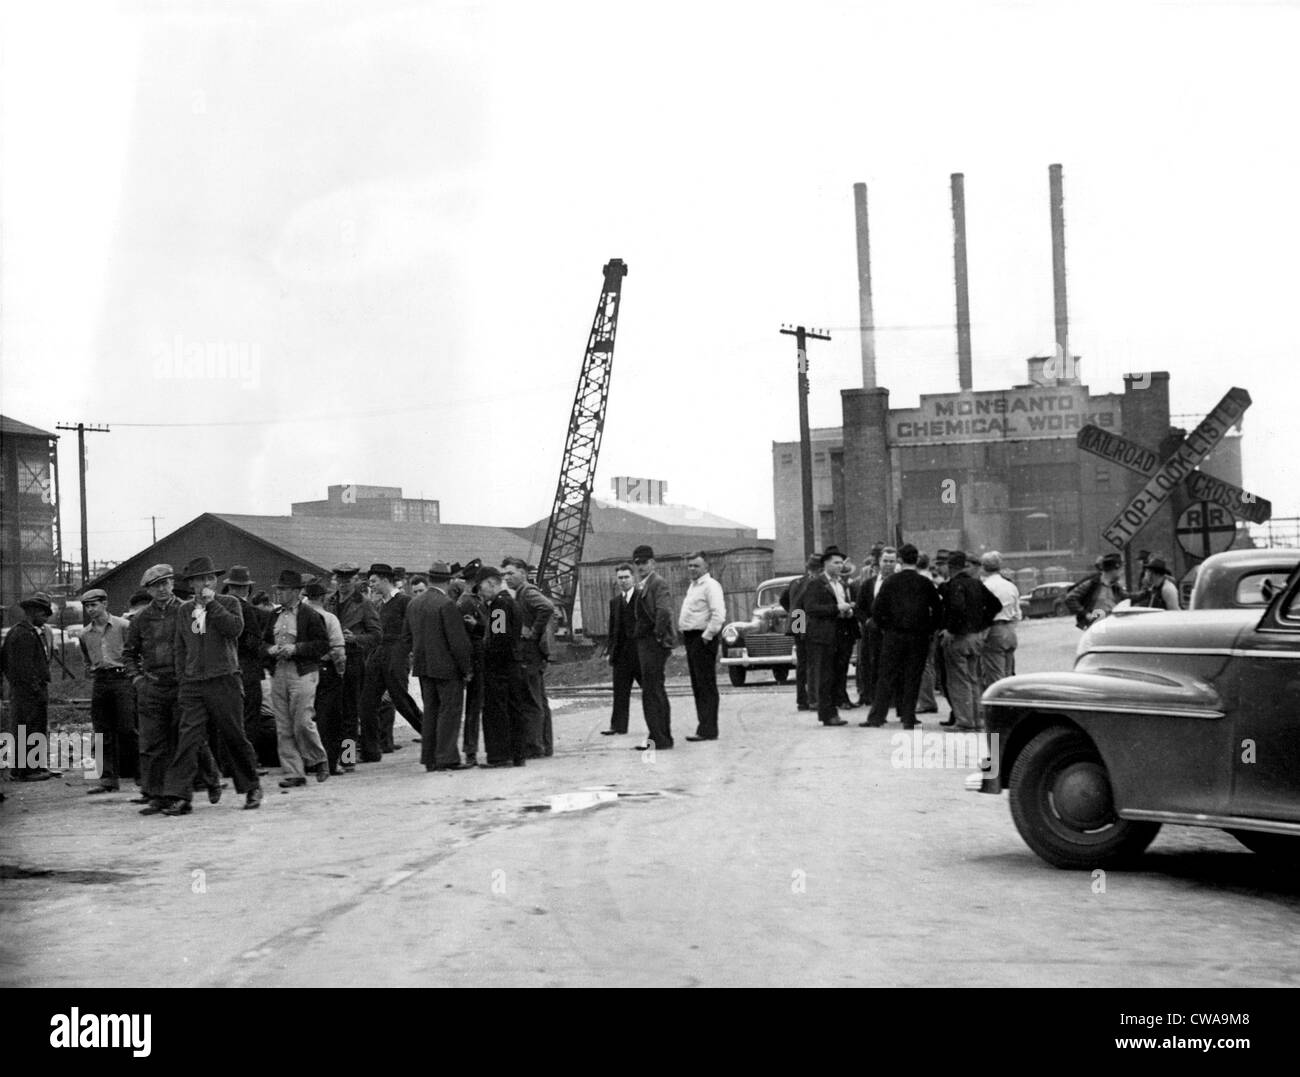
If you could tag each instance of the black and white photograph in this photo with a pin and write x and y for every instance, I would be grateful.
(596, 494)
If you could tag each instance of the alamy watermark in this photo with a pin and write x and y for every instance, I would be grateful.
(209, 360)
(58, 751)
(918, 750)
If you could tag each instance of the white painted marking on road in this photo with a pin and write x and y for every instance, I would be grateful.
(394, 879)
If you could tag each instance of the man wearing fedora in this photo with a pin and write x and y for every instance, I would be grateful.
(505, 724)
(1094, 596)
(829, 626)
(205, 648)
(293, 644)
(1158, 589)
(536, 613)
(112, 699)
(150, 659)
(655, 638)
(434, 635)
(360, 625)
(25, 663)
(464, 592)
(386, 667)
(240, 584)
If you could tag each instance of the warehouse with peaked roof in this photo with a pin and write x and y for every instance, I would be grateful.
(268, 544)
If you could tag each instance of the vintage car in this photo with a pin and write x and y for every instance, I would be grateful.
(1046, 600)
(761, 642)
(1191, 717)
(1241, 579)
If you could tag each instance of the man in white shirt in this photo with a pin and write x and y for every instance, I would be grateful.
(998, 659)
(329, 689)
(703, 612)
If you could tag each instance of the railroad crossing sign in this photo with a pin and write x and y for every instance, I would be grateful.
(1182, 461)
(1200, 485)
(1204, 528)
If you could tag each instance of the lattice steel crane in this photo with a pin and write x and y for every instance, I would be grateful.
(557, 572)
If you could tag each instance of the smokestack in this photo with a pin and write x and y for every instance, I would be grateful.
(866, 316)
(1066, 363)
(963, 295)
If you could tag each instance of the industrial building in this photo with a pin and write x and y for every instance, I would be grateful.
(29, 515)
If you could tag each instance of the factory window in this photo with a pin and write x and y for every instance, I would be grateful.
(787, 458)
(819, 458)
(1103, 475)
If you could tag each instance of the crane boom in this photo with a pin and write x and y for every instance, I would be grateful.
(557, 572)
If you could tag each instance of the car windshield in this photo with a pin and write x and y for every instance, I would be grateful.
(770, 596)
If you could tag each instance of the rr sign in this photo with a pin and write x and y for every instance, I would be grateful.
(1203, 529)
(1195, 448)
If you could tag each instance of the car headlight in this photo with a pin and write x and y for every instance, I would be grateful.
(730, 635)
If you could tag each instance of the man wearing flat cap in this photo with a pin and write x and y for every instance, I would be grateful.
(112, 699)
(968, 610)
(537, 614)
(25, 664)
(387, 668)
(434, 635)
(360, 625)
(150, 660)
(206, 652)
(655, 636)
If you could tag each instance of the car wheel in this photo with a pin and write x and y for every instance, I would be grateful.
(782, 674)
(737, 675)
(1062, 804)
(1280, 847)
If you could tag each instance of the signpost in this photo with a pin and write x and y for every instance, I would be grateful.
(1203, 529)
(1200, 486)
(1195, 448)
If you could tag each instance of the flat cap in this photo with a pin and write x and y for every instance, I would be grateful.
(156, 575)
(95, 594)
(345, 568)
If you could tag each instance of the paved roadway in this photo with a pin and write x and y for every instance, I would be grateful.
(784, 853)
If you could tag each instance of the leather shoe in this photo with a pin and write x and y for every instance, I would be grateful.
(178, 807)
(448, 766)
(803, 707)
(253, 798)
(835, 721)
(911, 725)
(155, 807)
(611, 732)
(949, 723)
(693, 738)
(656, 747)
(214, 792)
(140, 800)
(292, 783)
(322, 770)
(493, 766)
(873, 725)
(101, 789)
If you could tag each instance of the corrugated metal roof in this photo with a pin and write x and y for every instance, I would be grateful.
(328, 540)
(13, 426)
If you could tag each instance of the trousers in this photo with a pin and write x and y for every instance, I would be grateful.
(898, 675)
(112, 715)
(219, 701)
(627, 671)
(383, 674)
(505, 726)
(444, 702)
(293, 698)
(961, 659)
(652, 658)
(702, 661)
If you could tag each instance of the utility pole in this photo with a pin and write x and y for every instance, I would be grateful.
(154, 522)
(801, 336)
(82, 429)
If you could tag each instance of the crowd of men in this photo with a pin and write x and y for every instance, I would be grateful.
(194, 683)
(181, 683)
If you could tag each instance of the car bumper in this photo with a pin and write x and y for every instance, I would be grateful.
(766, 661)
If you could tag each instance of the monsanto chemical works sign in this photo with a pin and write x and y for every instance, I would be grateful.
(1012, 414)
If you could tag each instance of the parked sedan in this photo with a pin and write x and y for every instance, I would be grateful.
(1046, 600)
(761, 642)
(1191, 718)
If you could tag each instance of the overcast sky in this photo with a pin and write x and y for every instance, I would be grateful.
(395, 215)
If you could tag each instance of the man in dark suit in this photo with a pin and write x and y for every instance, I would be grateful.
(828, 621)
(25, 662)
(386, 667)
(505, 726)
(621, 648)
(441, 656)
(360, 623)
(805, 689)
(906, 610)
(849, 641)
(655, 637)
(872, 637)
(260, 733)
(968, 609)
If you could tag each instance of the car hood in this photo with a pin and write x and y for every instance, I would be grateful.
(1171, 630)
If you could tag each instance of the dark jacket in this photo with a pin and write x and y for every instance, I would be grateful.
(1081, 599)
(151, 642)
(622, 626)
(312, 644)
(968, 606)
(792, 602)
(473, 612)
(249, 646)
(654, 612)
(822, 621)
(536, 613)
(24, 657)
(908, 603)
(501, 647)
(213, 652)
(435, 637)
(392, 619)
(358, 616)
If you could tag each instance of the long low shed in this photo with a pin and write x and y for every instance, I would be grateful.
(740, 570)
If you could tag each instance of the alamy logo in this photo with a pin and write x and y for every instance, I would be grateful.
(209, 360)
(76, 1029)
